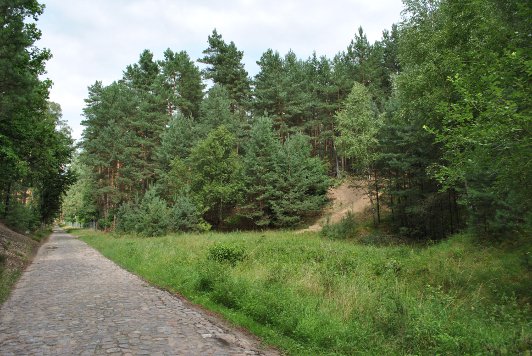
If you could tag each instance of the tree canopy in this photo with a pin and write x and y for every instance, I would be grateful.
(434, 117)
(35, 145)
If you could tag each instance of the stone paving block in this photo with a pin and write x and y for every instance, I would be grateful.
(73, 301)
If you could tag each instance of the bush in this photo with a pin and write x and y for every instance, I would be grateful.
(23, 218)
(210, 274)
(226, 254)
(127, 217)
(105, 223)
(185, 215)
(344, 229)
(150, 217)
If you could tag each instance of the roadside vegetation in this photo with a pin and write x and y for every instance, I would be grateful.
(434, 118)
(16, 252)
(309, 294)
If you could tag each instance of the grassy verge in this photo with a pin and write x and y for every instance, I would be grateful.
(41, 234)
(309, 295)
(8, 278)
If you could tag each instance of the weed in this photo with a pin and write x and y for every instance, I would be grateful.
(344, 229)
(226, 254)
(310, 295)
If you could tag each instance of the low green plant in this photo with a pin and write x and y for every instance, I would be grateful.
(226, 254)
(315, 296)
(22, 218)
(345, 228)
(8, 279)
(41, 234)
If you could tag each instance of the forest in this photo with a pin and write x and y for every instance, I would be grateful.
(433, 121)
(434, 118)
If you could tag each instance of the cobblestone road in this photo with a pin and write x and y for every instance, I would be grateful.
(73, 301)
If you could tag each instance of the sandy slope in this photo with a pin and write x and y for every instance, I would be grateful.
(16, 249)
(344, 198)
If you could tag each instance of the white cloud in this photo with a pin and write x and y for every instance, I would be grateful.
(96, 40)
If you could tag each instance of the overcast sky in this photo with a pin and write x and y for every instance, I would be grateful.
(96, 39)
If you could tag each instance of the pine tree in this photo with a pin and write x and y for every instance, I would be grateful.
(225, 68)
(301, 183)
(182, 83)
(282, 181)
(269, 97)
(216, 111)
(263, 151)
(147, 122)
(215, 169)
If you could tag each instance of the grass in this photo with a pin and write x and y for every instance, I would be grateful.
(8, 278)
(310, 295)
(41, 234)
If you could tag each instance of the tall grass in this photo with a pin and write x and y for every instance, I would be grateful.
(310, 295)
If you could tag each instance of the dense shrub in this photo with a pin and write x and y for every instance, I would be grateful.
(149, 217)
(185, 215)
(226, 254)
(344, 229)
(22, 217)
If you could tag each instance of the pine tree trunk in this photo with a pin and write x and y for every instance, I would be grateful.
(377, 198)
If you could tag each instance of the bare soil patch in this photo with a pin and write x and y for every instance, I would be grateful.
(16, 249)
(345, 198)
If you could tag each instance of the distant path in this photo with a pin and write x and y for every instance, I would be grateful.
(74, 301)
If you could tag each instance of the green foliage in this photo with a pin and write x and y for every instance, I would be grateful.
(262, 156)
(182, 84)
(7, 281)
(35, 146)
(485, 129)
(282, 182)
(216, 111)
(23, 218)
(149, 217)
(78, 205)
(344, 229)
(225, 68)
(215, 171)
(24, 95)
(301, 184)
(310, 295)
(124, 123)
(460, 129)
(177, 140)
(153, 215)
(357, 127)
(226, 254)
(433, 118)
(185, 215)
